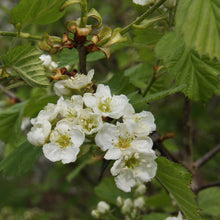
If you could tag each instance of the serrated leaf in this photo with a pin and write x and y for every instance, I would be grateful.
(36, 11)
(20, 160)
(176, 181)
(199, 22)
(209, 201)
(108, 191)
(199, 73)
(24, 62)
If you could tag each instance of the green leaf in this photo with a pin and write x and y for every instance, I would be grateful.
(20, 160)
(108, 191)
(199, 73)
(158, 95)
(94, 14)
(176, 181)
(10, 122)
(35, 104)
(36, 11)
(24, 62)
(209, 201)
(199, 22)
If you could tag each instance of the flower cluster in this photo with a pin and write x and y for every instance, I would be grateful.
(62, 128)
(130, 208)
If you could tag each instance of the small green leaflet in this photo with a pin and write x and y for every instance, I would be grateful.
(199, 23)
(20, 160)
(36, 11)
(23, 61)
(199, 73)
(175, 179)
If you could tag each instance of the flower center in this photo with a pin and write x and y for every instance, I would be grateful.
(88, 123)
(124, 142)
(105, 106)
(64, 140)
(131, 162)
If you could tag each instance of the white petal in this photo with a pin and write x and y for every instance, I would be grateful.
(39, 132)
(89, 100)
(69, 154)
(52, 152)
(60, 88)
(105, 137)
(125, 180)
(103, 91)
(113, 154)
(77, 136)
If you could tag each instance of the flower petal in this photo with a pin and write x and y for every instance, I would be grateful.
(52, 152)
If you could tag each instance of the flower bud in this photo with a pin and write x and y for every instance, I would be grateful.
(103, 207)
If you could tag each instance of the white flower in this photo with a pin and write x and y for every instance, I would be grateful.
(139, 202)
(47, 62)
(134, 167)
(179, 217)
(103, 207)
(119, 201)
(39, 132)
(89, 121)
(49, 112)
(140, 124)
(104, 103)
(140, 190)
(143, 2)
(26, 122)
(65, 141)
(95, 213)
(117, 139)
(70, 109)
(127, 206)
(80, 81)
(60, 88)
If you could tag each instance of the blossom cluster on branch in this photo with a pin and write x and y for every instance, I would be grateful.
(109, 120)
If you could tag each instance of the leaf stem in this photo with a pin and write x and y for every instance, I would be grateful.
(142, 17)
(84, 13)
(21, 35)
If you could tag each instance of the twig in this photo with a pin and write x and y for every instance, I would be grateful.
(104, 167)
(21, 35)
(208, 185)
(157, 140)
(142, 17)
(207, 157)
(187, 138)
(10, 94)
(153, 79)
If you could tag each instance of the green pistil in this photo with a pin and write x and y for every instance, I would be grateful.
(105, 106)
(131, 163)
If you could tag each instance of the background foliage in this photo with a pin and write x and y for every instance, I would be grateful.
(34, 188)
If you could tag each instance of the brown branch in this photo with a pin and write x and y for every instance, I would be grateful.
(208, 185)
(187, 138)
(207, 157)
(11, 95)
(157, 140)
